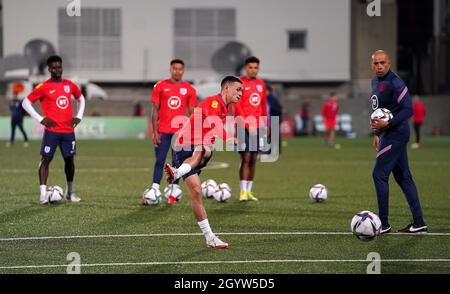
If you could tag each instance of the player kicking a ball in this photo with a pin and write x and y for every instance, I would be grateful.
(193, 149)
(55, 96)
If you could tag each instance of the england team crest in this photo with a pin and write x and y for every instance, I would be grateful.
(183, 91)
(67, 89)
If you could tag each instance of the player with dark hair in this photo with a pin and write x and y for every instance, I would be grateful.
(390, 142)
(55, 96)
(194, 148)
(251, 116)
(171, 98)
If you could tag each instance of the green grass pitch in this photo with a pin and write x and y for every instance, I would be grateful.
(282, 233)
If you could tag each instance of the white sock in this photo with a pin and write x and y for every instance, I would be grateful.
(243, 185)
(156, 186)
(249, 185)
(182, 170)
(43, 189)
(206, 229)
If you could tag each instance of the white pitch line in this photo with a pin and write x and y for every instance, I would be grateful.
(199, 234)
(212, 165)
(223, 262)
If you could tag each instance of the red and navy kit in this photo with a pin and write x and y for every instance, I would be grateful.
(419, 111)
(56, 103)
(330, 110)
(173, 99)
(205, 123)
(253, 102)
(391, 92)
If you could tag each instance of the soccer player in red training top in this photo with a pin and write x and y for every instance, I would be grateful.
(194, 148)
(55, 97)
(251, 116)
(330, 110)
(170, 98)
(419, 112)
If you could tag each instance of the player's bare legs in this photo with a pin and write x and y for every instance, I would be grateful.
(193, 185)
(69, 169)
(247, 172)
(43, 176)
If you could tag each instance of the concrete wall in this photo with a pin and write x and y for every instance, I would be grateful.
(147, 28)
(368, 35)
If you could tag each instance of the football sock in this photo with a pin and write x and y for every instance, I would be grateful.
(206, 229)
(182, 170)
(69, 188)
(249, 186)
(243, 186)
(43, 189)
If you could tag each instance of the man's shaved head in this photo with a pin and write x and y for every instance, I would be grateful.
(381, 63)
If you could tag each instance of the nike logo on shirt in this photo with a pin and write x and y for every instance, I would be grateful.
(52, 91)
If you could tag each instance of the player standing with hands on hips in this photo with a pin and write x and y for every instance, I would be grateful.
(55, 96)
(390, 142)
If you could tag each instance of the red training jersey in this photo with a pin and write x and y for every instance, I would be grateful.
(173, 99)
(56, 103)
(419, 111)
(205, 123)
(330, 109)
(253, 102)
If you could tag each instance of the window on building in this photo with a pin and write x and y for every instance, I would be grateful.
(200, 32)
(297, 39)
(91, 41)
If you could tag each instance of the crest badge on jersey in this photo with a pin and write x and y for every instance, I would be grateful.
(67, 89)
(183, 91)
(259, 88)
(374, 100)
(47, 149)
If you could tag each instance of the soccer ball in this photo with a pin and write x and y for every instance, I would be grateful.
(151, 196)
(173, 190)
(382, 114)
(208, 188)
(55, 194)
(223, 193)
(366, 225)
(318, 193)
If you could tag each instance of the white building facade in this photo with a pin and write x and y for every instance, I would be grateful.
(133, 41)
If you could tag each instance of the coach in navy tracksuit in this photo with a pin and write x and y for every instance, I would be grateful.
(17, 114)
(390, 142)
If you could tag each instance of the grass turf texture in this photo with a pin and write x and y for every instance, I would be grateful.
(111, 176)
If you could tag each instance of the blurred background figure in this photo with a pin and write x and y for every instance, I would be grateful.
(330, 109)
(138, 109)
(17, 114)
(305, 115)
(419, 112)
(274, 109)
